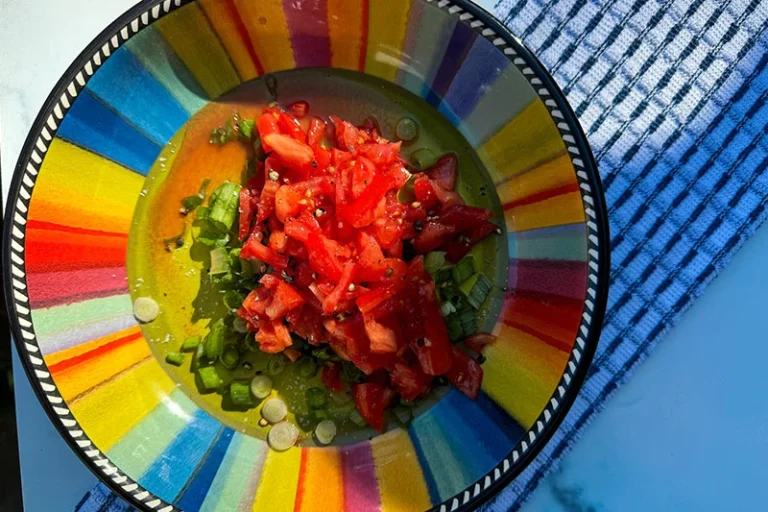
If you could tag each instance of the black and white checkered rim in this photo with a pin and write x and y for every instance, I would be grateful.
(144, 14)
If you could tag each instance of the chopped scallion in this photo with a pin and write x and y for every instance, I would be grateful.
(230, 357)
(190, 344)
(446, 308)
(276, 365)
(317, 398)
(175, 358)
(240, 393)
(214, 342)
(245, 126)
(306, 367)
(476, 289)
(433, 262)
(468, 320)
(209, 379)
(423, 158)
(453, 323)
(219, 261)
(224, 204)
(463, 270)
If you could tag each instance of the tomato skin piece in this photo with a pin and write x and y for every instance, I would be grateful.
(278, 241)
(316, 132)
(371, 299)
(302, 227)
(293, 153)
(444, 172)
(384, 334)
(411, 383)
(321, 259)
(285, 298)
(345, 281)
(287, 202)
(273, 337)
(331, 377)
(460, 245)
(307, 323)
(363, 173)
(464, 217)
(253, 248)
(466, 374)
(477, 342)
(248, 206)
(381, 154)
(347, 136)
(371, 400)
(299, 109)
(290, 126)
(432, 236)
(267, 125)
(267, 200)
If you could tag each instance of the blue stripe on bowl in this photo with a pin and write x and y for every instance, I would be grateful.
(194, 496)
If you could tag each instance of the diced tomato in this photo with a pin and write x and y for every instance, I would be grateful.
(307, 323)
(257, 301)
(460, 245)
(447, 197)
(347, 136)
(477, 342)
(411, 383)
(424, 191)
(316, 133)
(278, 241)
(322, 158)
(250, 319)
(432, 236)
(384, 334)
(396, 251)
(345, 281)
(374, 297)
(267, 125)
(321, 258)
(464, 217)
(273, 337)
(370, 257)
(370, 127)
(371, 400)
(284, 299)
(287, 202)
(331, 377)
(292, 153)
(253, 248)
(363, 173)
(290, 126)
(302, 226)
(381, 154)
(303, 273)
(299, 109)
(248, 207)
(267, 200)
(465, 374)
(360, 212)
(445, 171)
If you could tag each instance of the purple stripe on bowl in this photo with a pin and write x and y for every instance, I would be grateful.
(308, 26)
(361, 489)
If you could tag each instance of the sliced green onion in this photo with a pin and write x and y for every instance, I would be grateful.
(453, 323)
(261, 386)
(433, 262)
(145, 309)
(190, 203)
(174, 358)
(240, 393)
(190, 344)
(276, 365)
(230, 357)
(282, 436)
(233, 300)
(468, 320)
(407, 129)
(203, 212)
(446, 308)
(274, 410)
(325, 354)
(463, 270)
(239, 325)
(199, 360)
(341, 397)
(306, 367)
(219, 261)
(319, 415)
(341, 410)
(214, 342)
(224, 205)
(357, 419)
(350, 373)
(208, 378)
(476, 289)
(245, 126)
(443, 275)
(423, 158)
(317, 398)
(325, 432)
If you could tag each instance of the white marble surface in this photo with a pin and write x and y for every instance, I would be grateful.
(687, 433)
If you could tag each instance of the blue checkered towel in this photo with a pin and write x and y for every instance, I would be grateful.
(672, 95)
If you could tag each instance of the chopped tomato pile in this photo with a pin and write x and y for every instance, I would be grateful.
(323, 212)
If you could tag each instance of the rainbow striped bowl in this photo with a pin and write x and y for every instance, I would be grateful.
(78, 181)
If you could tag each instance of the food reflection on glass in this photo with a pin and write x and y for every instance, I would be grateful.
(343, 279)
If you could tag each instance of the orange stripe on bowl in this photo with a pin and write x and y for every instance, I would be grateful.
(348, 31)
(268, 32)
(321, 485)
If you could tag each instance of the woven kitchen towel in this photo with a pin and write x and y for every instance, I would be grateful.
(672, 95)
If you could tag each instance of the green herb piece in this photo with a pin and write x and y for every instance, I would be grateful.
(223, 134)
(453, 323)
(175, 358)
(350, 373)
(407, 129)
(317, 398)
(306, 367)
(433, 262)
(423, 158)
(240, 393)
(245, 127)
(219, 261)
(233, 299)
(208, 378)
(325, 354)
(276, 365)
(224, 204)
(230, 357)
(214, 342)
(203, 212)
(190, 344)
(463, 270)
(468, 320)
(476, 289)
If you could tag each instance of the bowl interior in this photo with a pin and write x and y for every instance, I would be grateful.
(78, 191)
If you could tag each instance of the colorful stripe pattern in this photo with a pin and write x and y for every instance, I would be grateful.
(92, 174)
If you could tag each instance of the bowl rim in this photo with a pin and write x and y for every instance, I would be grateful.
(145, 13)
